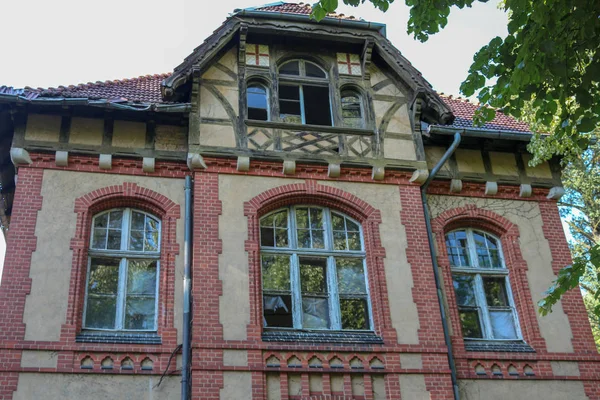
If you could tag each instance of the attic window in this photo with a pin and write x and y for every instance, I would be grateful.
(352, 109)
(257, 96)
(304, 94)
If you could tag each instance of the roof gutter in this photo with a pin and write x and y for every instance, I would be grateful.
(436, 268)
(107, 104)
(373, 26)
(481, 133)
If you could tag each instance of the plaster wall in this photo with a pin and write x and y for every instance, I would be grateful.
(412, 387)
(555, 328)
(46, 305)
(78, 386)
(399, 280)
(44, 128)
(171, 138)
(486, 389)
(87, 131)
(234, 305)
(129, 134)
(236, 385)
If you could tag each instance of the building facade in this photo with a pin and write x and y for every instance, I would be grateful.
(305, 147)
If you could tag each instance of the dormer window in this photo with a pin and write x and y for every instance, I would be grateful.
(352, 109)
(258, 103)
(304, 94)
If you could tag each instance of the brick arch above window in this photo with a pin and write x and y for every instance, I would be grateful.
(128, 194)
(471, 216)
(311, 193)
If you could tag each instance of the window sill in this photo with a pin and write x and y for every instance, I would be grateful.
(118, 338)
(516, 346)
(340, 337)
(309, 128)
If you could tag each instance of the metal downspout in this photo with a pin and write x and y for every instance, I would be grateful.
(438, 285)
(186, 347)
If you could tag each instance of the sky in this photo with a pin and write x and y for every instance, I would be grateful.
(64, 42)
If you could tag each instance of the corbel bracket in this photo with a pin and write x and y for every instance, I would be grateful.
(366, 56)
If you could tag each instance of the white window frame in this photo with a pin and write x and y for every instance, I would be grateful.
(478, 272)
(300, 80)
(328, 252)
(124, 255)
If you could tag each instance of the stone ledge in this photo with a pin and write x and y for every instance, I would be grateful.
(118, 338)
(322, 337)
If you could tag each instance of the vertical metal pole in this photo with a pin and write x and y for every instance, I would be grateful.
(436, 272)
(186, 347)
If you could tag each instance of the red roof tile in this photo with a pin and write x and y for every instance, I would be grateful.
(299, 8)
(464, 111)
(144, 89)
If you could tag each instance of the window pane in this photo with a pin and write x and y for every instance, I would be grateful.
(282, 237)
(138, 221)
(116, 219)
(267, 237)
(303, 238)
(354, 313)
(151, 241)
(257, 97)
(276, 272)
(267, 221)
(280, 219)
(258, 114)
(352, 226)
(136, 241)
(141, 277)
(315, 312)
(350, 276)
(100, 312)
(316, 218)
(456, 245)
(313, 71)
(463, 288)
(140, 312)
(114, 239)
(101, 221)
(351, 110)
(503, 325)
(312, 275)
(318, 242)
(339, 240)
(337, 222)
(354, 241)
(317, 109)
(495, 292)
(104, 276)
(302, 217)
(99, 238)
(277, 311)
(290, 68)
(469, 320)
(289, 92)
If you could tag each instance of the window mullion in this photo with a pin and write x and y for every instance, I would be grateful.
(296, 294)
(125, 228)
(511, 303)
(472, 249)
(121, 294)
(302, 104)
(334, 297)
(292, 235)
(328, 229)
(482, 303)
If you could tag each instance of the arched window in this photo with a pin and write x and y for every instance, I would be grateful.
(304, 93)
(480, 278)
(352, 108)
(123, 268)
(313, 270)
(258, 101)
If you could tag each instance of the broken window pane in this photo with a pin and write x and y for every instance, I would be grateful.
(313, 275)
(354, 313)
(277, 311)
(317, 108)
